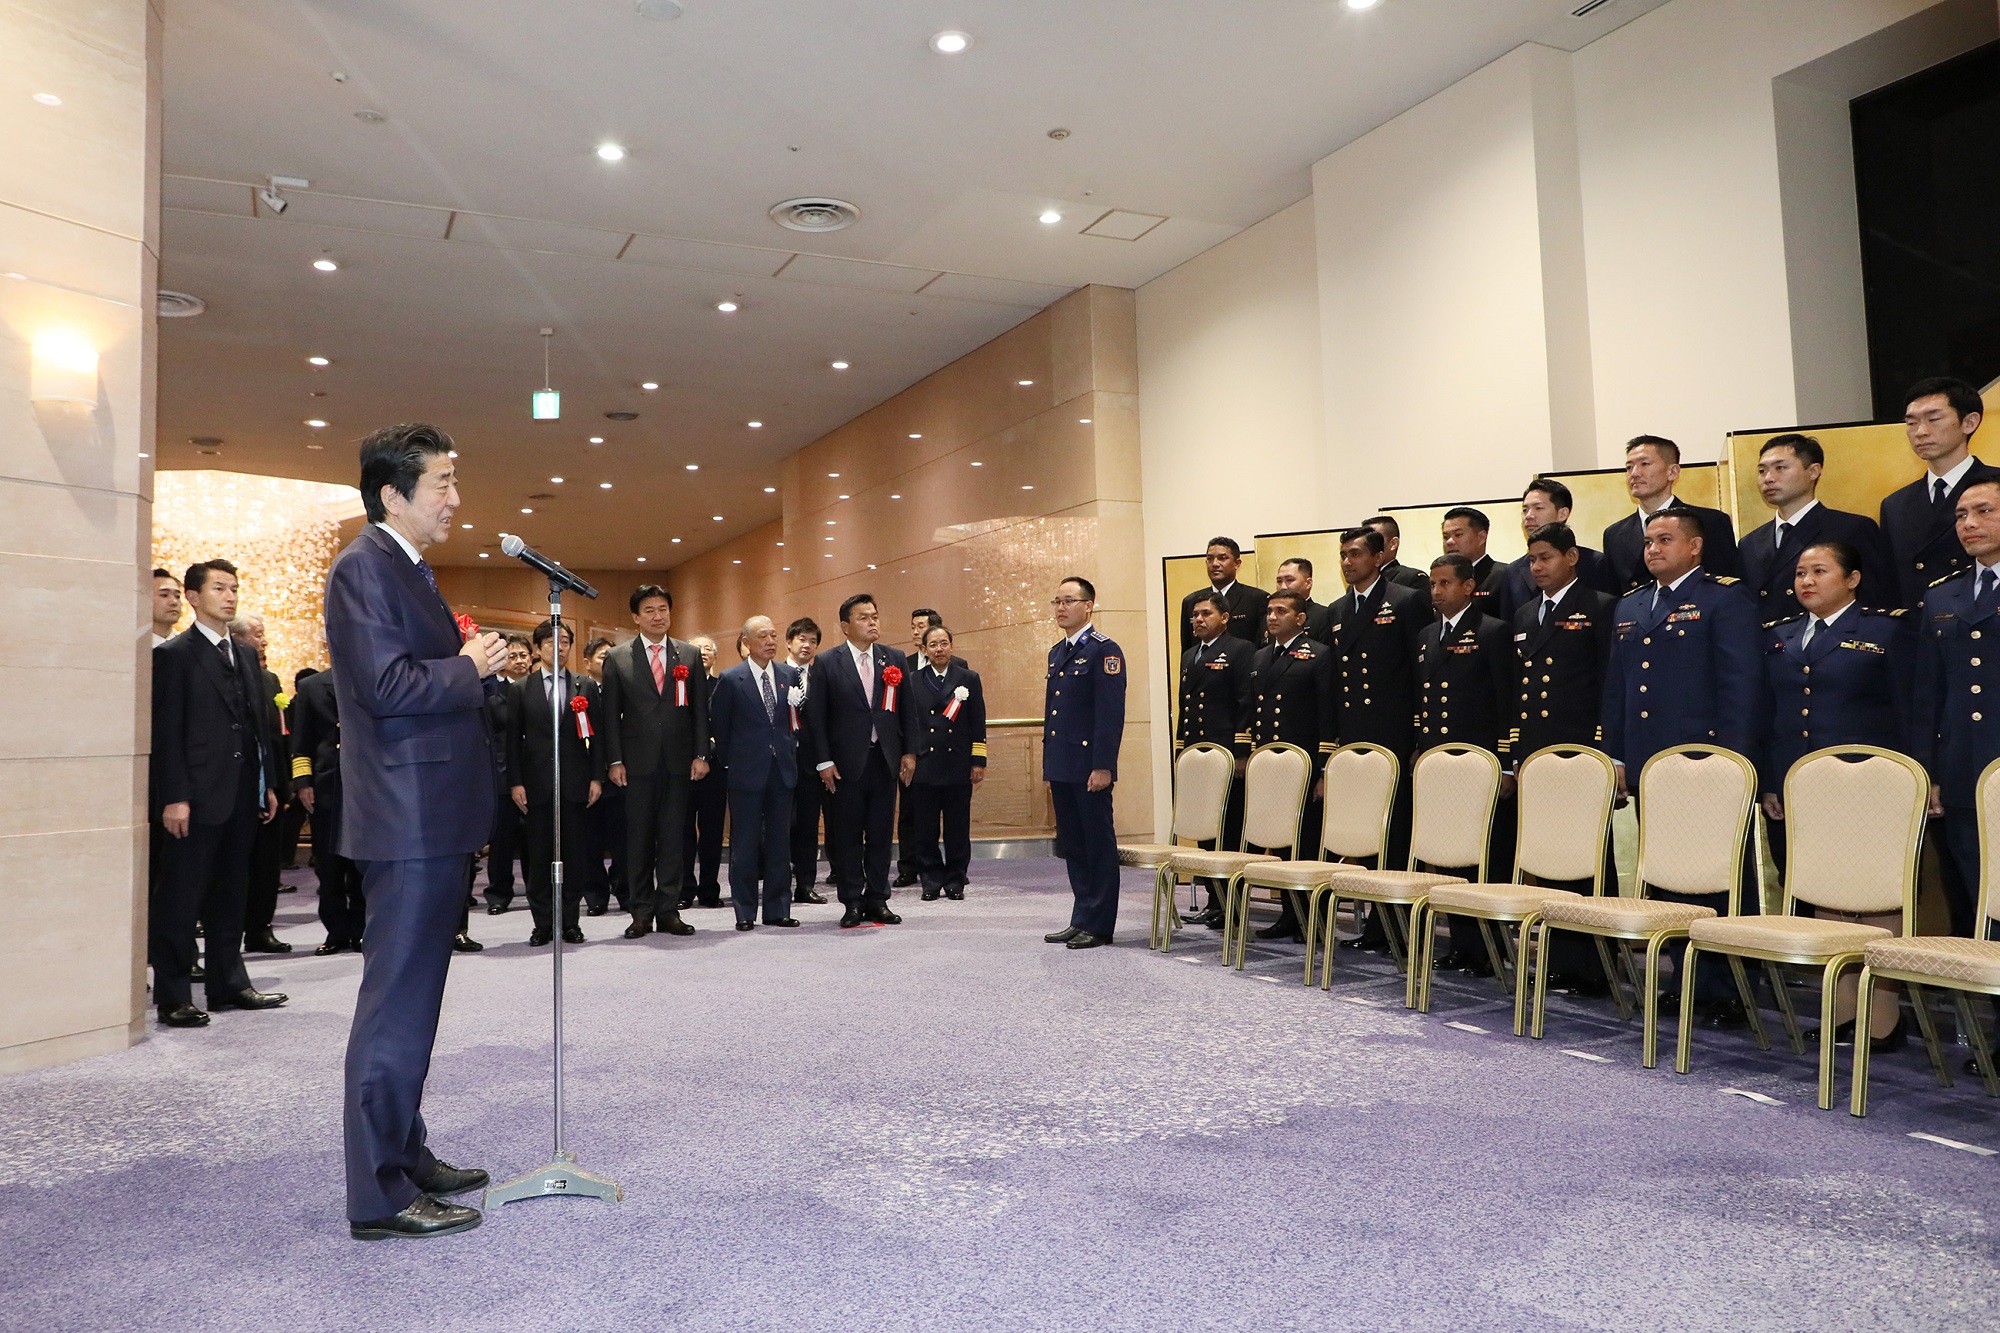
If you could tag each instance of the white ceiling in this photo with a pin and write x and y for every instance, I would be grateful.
(478, 213)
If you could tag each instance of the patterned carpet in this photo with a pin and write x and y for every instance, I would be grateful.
(951, 1125)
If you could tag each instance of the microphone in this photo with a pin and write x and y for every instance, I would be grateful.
(526, 554)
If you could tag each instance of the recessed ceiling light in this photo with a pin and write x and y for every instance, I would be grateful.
(844, 497)
(967, 568)
(1027, 488)
(834, 475)
(788, 569)
(735, 562)
(597, 439)
(832, 523)
(778, 543)
(315, 446)
(716, 517)
(315, 423)
(840, 365)
(556, 480)
(828, 554)
(484, 556)
(871, 566)
(950, 42)
(641, 559)
(826, 539)
(915, 436)
(649, 386)
(754, 425)
(1050, 217)
(48, 99)
(727, 307)
(1024, 383)
(603, 485)
(527, 511)
(318, 361)
(325, 265)
(1358, 5)
(675, 540)
(465, 525)
(611, 152)
(895, 497)
(979, 465)
(772, 490)
(694, 467)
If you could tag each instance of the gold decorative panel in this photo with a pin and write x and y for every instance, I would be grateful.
(1863, 464)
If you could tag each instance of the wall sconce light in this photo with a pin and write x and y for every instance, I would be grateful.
(64, 370)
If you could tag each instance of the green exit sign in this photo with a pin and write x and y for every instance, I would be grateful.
(548, 405)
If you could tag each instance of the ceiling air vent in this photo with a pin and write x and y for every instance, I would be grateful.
(1587, 7)
(621, 416)
(815, 214)
(179, 305)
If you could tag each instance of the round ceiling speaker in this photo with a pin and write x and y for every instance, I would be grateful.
(179, 305)
(815, 214)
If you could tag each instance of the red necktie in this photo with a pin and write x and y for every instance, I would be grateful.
(659, 667)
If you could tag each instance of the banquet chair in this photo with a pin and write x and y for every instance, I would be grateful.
(1202, 776)
(1274, 794)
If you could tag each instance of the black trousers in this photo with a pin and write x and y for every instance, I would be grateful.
(1089, 841)
(1232, 835)
(503, 849)
(760, 837)
(701, 838)
(204, 876)
(537, 861)
(290, 820)
(604, 834)
(860, 817)
(341, 908)
(941, 809)
(806, 800)
(908, 838)
(1959, 865)
(267, 859)
(655, 824)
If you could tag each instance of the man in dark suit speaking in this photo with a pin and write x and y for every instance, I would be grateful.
(417, 781)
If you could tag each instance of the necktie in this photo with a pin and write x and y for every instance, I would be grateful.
(659, 666)
(770, 700)
(1783, 530)
(1987, 581)
(424, 568)
(1548, 605)
(1659, 595)
(228, 658)
(1937, 492)
(865, 666)
(549, 688)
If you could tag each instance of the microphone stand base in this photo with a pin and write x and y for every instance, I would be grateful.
(560, 1178)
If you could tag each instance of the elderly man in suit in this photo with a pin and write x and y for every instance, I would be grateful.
(1788, 472)
(1244, 606)
(544, 709)
(216, 770)
(1919, 520)
(948, 722)
(755, 746)
(861, 753)
(655, 745)
(417, 788)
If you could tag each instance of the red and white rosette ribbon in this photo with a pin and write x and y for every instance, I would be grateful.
(892, 676)
(468, 628)
(680, 685)
(958, 698)
(580, 708)
(795, 698)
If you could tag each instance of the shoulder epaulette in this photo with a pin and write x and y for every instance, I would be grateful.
(1947, 578)
(1896, 612)
(1725, 579)
(1784, 620)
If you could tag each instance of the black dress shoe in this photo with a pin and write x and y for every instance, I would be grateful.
(265, 942)
(183, 1016)
(1723, 1015)
(684, 902)
(496, 909)
(464, 943)
(809, 896)
(880, 914)
(851, 917)
(641, 927)
(746, 925)
(1063, 936)
(572, 935)
(671, 924)
(248, 998)
(1085, 940)
(715, 901)
(593, 911)
(537, 938)
(330, 947)
(197, 973)
(956, 893)
(448, 1179)
(1843, 1034)
(932, 895)
(904, 879)
(423, 1219)
(1283, 930)
(782, 921)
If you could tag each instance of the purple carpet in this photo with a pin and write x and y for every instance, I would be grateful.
(951, 1125)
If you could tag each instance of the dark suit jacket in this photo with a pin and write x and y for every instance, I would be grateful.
(1215, 697)
(209, 724)
(1768, 577)
(1399, 573)
(316, 737)
(1246, 613)
(1465, 683)
(948, 748)
(1319, 623)
(1625, 546)
(1563, 661)
(529, 753)
(749, 745)
(1494, 596)
(416, 767)
(842, 716)
(645, 729)
(1923, 542)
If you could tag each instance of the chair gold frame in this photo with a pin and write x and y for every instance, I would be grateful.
(1444, 824)
(1202, 770)
(1669, 841)
(1361, 783)
(1962, 966)
(1286, 799)
(1516, 903)
(1832, 946)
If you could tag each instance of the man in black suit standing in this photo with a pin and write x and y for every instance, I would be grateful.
(708, 802)
(861, 754)
(808, 796)
(267, 854)
(1788, 473)
(1393, 569)
(655, 745)
(1547, 501)
(316, 781)
(1652, 466)
(1465, 531)
(948, 728)
(214, 777)
(1919, 520)
(1244, 605)
(756, 751)
(1296, 575)
(1215, 702)
(543, 705)
(165, 606)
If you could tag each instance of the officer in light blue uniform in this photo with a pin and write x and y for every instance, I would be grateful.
(1083, 719)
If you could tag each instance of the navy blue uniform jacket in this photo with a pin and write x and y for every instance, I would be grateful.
(1855, 684)
(1083, 712)
(1682, 673)
(1958, 688)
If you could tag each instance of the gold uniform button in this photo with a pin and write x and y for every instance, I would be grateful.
(1545, 680)
(1920, 564)
(1548, 661)
(1644, 713)
(1805, 712)
(1808, 689)
(1642, 689)
(1808, 671)
(1975, 717)
(1975, 689)
(1545, 712)
(1975, 661)
(1975, 634)
(1645, 666)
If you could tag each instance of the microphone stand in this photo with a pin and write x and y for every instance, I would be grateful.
(561, 1176)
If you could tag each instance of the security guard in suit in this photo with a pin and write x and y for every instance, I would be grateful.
(1083, 721)
(1244, 605)
(1293, 702)
(1683, 671)
(1919, 520)
(316, 783)
(1215, 707)
(1788, 472)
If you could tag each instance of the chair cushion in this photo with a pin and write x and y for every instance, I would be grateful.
(1636, 916)
(1293, 874)
(1150, 855)
(1786, 934)
(1389, 885)
(1500, 901)
(1947, 957)
(1215, 865)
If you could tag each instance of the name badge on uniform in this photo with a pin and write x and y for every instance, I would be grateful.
(1519, 637)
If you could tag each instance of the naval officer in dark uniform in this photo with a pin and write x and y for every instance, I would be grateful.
(1393, 569)
(1215, 707)
(1293, 702)
(1788, 473)
(1940, 416)
(1244, 605)
(948, 716)
(1082, 724)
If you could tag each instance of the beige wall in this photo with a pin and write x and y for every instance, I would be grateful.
(79, 245)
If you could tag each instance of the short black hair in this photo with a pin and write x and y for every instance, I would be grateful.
(1559, 494)
(303, 675)
(547, 630)
(515, 638)
(1460, 567)
(1557, 535)
(161, 574)
(1805, 446)
(1089, 588)
(934, 627)
(1373, 539)
(1214, 542)
(646, 592)
(1964, 399)
(197, 575)
(1843, 554)
(1297, 600)
(847, 607)
(1689, 520)
(397, 456)
(590, 649)
(803, 625)
(1213, 598)
(1384, 521)
(1659, 444)
(1300, 563)
(1479, 521)
(928, 613)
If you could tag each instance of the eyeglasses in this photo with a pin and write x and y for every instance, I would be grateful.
(1060, 602)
